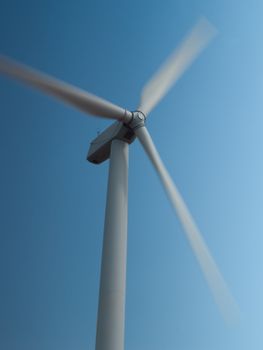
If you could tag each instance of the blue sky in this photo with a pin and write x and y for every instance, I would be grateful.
(208, 130)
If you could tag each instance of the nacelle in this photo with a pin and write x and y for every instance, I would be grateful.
(99, 150)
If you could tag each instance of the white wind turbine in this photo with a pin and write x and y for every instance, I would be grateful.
(113, 144)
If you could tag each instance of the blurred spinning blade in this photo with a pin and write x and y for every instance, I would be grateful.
(70, 94)
(176, 65)
(221, 294)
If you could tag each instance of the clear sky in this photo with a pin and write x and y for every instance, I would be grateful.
(209, 132)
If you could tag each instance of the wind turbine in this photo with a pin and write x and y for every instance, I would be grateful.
(113, 144)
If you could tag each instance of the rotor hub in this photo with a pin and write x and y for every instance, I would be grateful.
(137, 120)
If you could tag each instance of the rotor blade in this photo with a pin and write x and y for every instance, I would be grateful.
(176, 64)
(208, 266)
(70, 94)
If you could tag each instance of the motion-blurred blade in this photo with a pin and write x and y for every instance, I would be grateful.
(208, 266)
(70, 94)
(176, 65)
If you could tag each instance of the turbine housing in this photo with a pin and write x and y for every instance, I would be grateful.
(99, 150)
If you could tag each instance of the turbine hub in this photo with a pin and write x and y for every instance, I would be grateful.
(137, 120)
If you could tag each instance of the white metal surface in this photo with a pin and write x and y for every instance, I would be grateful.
(111, 311)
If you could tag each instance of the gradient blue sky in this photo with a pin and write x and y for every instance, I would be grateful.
(208, 130)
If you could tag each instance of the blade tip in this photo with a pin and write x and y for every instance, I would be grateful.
(207, 28)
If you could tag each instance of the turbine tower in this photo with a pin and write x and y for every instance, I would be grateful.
(113, 144)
